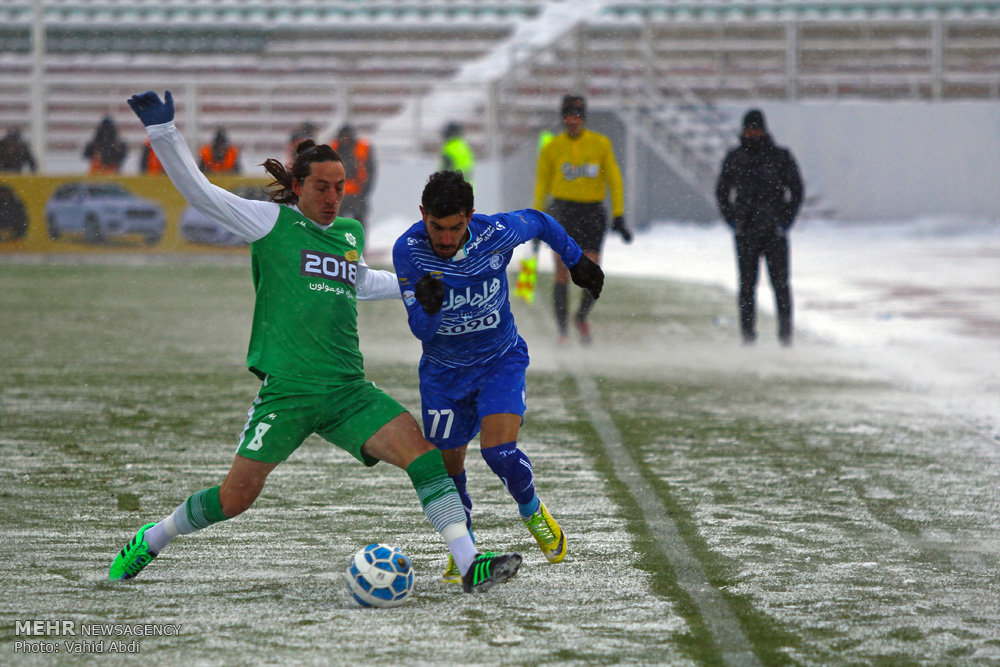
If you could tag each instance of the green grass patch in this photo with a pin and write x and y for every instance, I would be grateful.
(842, 520)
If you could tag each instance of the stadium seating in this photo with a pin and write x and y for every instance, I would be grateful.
(260, 67)
(257, 67)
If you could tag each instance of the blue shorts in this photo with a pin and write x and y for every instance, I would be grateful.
(455, 400)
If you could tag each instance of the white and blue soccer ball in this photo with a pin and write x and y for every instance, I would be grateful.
(381, 576)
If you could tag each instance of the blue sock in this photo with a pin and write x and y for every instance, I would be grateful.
(513, 468)
(460, 480)
(527, 509)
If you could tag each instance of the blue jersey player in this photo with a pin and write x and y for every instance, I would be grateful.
(452, 271)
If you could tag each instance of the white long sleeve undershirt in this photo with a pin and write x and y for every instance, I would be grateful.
(250, 220)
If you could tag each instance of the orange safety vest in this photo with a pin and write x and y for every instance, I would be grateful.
(98, 167)
(153, 166)
(355, 185)
(226, 165)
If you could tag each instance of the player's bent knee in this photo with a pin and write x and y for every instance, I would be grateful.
(236, 501)
(243, 484)
(399, 442)
(235, 504)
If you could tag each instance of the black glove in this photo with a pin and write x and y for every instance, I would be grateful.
(618, 225)
(429, 292)
(150, 110)
(588, 275)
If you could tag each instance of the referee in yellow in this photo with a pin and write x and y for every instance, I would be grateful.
(577, 169)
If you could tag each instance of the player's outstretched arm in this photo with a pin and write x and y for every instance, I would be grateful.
(151, 110)
(251, 220)
(588, 275)
(531, 225)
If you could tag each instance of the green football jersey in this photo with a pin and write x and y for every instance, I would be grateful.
(305, 320)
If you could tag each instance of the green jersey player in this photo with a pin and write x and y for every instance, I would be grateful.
(308, 274)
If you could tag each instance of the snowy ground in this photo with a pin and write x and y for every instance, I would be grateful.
(809, 498)
(919, 301)
(912, 306)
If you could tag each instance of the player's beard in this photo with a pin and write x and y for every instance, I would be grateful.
(451, 251)
(444, 253)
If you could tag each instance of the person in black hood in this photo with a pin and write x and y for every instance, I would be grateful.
(15, 154)
(759, 193)
(106, 151)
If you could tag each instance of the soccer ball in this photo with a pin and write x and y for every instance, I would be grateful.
(380, 576)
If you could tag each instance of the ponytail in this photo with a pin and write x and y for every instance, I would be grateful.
(280, 189)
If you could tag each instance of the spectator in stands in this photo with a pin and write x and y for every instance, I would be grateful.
(148, 162)
(306, 130)
(106, 151)
(577, 168)
(759, 192)
(359, 163)
(220, 156)
(15, 154)
(456, 153)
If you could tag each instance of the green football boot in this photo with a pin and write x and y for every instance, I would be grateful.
(489, 569)
(133, 557)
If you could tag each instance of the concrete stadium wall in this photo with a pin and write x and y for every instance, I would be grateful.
(893, 160)
(864, 160)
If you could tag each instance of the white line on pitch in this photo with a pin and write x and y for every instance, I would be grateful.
(719, 619)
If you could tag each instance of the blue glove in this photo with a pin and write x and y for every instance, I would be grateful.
(150, 110)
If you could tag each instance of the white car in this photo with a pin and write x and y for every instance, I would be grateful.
(196, 228)
(101, 211)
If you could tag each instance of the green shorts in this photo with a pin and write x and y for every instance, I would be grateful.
(286, 412)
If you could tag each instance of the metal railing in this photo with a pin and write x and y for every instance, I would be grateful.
(917, 58)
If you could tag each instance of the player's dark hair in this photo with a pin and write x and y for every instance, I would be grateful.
(307, 152)
(447, 193)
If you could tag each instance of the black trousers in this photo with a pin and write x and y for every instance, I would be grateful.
(773, 247)
(586, 223)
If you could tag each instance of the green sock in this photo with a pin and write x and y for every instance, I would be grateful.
(199, 511)
(436, 490)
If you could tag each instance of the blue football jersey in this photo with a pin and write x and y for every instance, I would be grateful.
(475, 325)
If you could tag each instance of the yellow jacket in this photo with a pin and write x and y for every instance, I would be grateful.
(579, 170)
